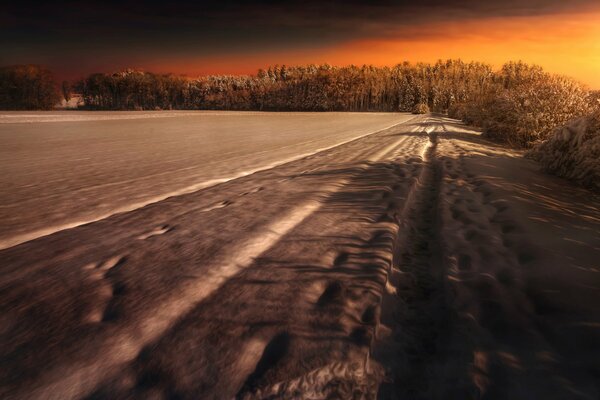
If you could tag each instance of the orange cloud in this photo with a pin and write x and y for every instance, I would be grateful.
(567, 44)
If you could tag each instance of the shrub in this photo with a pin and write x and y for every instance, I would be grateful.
(524, 104)
(573, 151)
(526, 113)
(420, 108)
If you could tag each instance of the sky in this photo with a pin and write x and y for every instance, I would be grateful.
(75, 38)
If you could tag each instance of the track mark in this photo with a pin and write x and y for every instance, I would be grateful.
(106, 288)
(160, 230)
(369, 316)
(417, 327)
(341, 259)
(334, 293)
(255, 190)
(273, 353)
(216, 206)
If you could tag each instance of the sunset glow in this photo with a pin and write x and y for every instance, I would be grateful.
(216, 39)
(565, 45)
(568, 45)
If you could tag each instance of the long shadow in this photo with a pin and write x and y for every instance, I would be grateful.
(276, 288)
(303, 305)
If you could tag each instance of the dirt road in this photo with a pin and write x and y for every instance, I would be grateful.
(418, 262)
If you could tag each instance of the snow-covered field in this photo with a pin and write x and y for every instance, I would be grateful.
(62, 169)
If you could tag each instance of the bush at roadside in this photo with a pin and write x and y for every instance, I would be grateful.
(573, 151)
(524, 105)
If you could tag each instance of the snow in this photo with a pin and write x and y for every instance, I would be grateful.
(573, 151)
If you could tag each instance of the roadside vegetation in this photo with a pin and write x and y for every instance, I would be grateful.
(573, 151)
(524, 104)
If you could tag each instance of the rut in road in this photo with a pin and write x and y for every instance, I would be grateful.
(416, 316)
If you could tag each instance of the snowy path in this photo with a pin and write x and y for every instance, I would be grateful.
(417, 262)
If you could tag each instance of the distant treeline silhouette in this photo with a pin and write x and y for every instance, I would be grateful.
(301, 88)
(27, 87)
(519, 103)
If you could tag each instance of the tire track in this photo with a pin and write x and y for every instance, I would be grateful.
(415, 315)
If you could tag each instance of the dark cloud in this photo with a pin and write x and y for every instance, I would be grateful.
(87, 31)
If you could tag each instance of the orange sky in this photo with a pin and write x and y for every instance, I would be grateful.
(204, 37)
(567, 44)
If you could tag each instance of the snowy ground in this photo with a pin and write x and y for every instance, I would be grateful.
(63, 169)
(417, 262)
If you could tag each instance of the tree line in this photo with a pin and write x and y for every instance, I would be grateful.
(518, 103)
(300, 88)
(27, 87)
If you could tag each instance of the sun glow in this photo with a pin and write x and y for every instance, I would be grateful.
(565, 44)
(568, 45)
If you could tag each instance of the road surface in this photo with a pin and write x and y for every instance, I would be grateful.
(420, 261)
